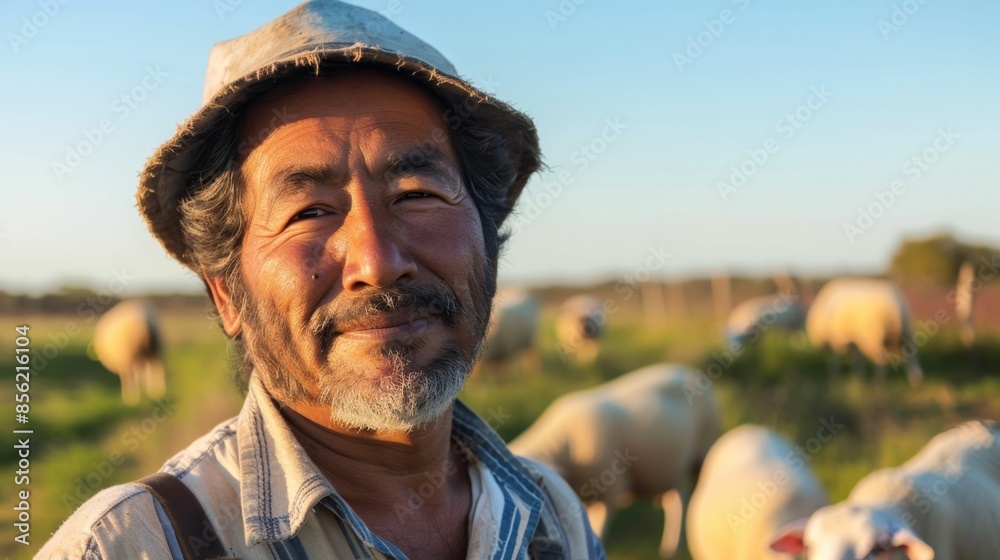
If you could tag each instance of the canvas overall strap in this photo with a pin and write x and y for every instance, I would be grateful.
(196, 536)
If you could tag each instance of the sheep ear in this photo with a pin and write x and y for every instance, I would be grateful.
(911, 544)
(788, 539)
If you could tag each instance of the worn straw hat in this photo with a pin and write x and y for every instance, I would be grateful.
(316, 37)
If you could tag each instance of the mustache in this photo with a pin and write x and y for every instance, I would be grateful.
(404, 303)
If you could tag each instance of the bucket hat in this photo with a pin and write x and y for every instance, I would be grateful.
(314, 38)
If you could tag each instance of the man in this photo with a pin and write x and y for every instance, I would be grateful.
(340, 194)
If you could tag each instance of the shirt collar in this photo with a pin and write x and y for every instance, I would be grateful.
(279, 484)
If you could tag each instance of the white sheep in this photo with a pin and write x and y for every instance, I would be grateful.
(751, 318)
(753, 483)
(644, 434)
(127, 343)
(943, 504)
(871, 316)
(510, 337)
(579, 326)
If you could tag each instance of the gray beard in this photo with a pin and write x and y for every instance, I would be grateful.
(400, 401)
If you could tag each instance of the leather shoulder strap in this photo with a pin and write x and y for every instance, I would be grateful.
(195, 534)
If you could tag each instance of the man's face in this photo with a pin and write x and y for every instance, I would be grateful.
(368, 289)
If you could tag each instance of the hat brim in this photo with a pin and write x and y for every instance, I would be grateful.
(168, 176)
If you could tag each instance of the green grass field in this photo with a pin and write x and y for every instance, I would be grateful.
(85, 439)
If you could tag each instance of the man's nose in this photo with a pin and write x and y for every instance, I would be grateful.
(376, 253)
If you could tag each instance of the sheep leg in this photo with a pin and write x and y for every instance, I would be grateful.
(879, 373)
(880, 356)
(859, 362)
(673, 522)
(156, 386)
(833, 361)
(914, 374)
(130, 385)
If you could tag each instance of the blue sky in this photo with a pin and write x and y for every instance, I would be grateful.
(645, 110)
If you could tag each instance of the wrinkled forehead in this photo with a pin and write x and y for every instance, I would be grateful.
(354, 98)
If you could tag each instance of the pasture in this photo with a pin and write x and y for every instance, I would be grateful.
(85, 439)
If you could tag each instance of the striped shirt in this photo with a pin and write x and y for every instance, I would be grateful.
(266, 499)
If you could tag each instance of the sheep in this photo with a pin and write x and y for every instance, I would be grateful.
(642, 435)
(512, 331)
(752, 484)
(943, 504)
(579, 325)
(871, 316)
(127, 343)
(751, 318)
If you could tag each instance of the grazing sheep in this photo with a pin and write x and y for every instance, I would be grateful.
(127, 343)
(943, 504)
(579, 326)
(511, 334)
(752, 484)
(871, 316)
(754, 316)
(642, 435)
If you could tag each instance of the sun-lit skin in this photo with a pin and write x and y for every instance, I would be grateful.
(333, 217)
(353, 229)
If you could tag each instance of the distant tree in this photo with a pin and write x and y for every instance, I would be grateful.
(934, 260)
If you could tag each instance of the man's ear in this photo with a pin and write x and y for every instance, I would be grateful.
(228, 312)
(788, 539)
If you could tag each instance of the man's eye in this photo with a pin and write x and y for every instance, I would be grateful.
(415, 195)
(309, 213)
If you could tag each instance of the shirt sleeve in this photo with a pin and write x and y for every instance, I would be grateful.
(117, 524)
